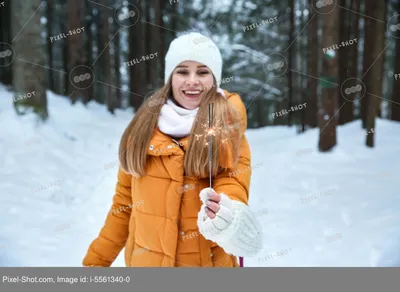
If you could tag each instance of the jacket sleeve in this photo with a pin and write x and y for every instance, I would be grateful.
(235, 228)
(112, 237)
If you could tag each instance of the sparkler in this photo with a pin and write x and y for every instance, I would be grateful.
(210, 134)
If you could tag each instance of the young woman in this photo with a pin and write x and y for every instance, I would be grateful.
(164, 212)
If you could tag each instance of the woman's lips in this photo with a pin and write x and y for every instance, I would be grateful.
(192, 93)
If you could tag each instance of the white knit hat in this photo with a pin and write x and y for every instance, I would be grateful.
(193, 47)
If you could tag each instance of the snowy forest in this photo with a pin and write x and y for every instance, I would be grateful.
(320, 80)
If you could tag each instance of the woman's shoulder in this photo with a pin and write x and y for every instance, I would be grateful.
(236, 101)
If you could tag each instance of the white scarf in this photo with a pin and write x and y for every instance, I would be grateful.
(175, 120)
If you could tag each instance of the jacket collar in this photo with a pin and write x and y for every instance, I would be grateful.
(162, 144)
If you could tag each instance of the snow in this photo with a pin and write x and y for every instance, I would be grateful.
(316, 209)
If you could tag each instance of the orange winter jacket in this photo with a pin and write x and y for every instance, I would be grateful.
(155, 216)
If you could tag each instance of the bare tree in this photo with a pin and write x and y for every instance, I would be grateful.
(327, 118)
(105, 55)
(6, 37)
(290, 61)
(374, 85)
(395, 114)
(369, 41)
(76, 53)
(49, 26)
(28, 72)
(348, 108)
(312, 105)
(345, 16)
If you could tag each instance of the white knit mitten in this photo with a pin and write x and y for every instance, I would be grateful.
(234, 228)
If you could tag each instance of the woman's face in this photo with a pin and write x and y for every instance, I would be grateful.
(190, 81)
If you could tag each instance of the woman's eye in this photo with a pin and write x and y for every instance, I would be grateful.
(204, 73)
(181, 72)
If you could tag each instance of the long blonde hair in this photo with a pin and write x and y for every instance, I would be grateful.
(137, 136)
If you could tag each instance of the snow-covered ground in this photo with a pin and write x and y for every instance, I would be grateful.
(333, 209)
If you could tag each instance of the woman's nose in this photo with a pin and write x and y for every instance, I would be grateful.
(192, 80)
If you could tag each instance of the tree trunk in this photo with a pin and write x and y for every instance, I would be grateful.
(148, 41)
(76, 54)
(137, 80)
(312, 101)
(327, 115)
(29, 78)
(117, 64)
(343, 54)
(161, 42)
(89, 46)
(65, 81)
(369, 42)
(105, 56)
(99, 63)
(290, 62)
(6, 37)
(379, 109)
(395, 113)
(348, 108)
(49, 26)
(374, 85)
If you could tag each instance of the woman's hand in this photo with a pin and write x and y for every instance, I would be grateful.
(212, 203)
